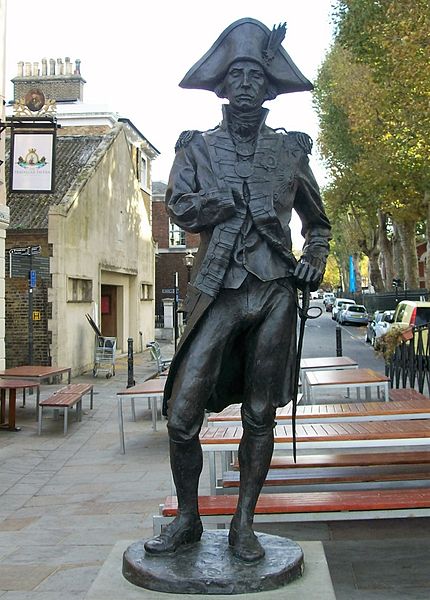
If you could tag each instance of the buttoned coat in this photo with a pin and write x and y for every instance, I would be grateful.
(211, 192)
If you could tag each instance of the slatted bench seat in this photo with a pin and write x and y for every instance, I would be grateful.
(67, 397)
(405, 434)
(310, 506)
(345, 460)
(400, 407)
(401, 394)
(327, 478)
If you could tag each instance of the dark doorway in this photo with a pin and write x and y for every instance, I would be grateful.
(108, 308)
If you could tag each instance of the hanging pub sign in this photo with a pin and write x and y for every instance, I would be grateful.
(32, 162)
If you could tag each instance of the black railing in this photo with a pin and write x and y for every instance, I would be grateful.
(409, 365)
(159, 321)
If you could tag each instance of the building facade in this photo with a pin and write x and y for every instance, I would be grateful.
(173, 245)
(92, 239)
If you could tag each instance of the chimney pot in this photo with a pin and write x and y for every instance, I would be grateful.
(60, 66)
(28, 69)
(21, 68)
(51, 66)
(77, 66)
(35, 69)
(44, 67)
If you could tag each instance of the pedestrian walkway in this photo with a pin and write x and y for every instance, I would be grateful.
(65, 501)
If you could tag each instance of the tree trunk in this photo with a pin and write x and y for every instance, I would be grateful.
(407, 236)
(427, 262)
(398, 270)
(386, 250)
(374, 270)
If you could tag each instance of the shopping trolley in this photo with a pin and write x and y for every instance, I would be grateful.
(104, 351)
(104, 355)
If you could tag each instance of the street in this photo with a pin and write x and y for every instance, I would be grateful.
(320, 340)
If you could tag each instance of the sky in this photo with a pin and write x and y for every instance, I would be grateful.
(134, 53)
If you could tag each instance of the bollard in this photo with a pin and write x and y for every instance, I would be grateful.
(130, 363)
(338, 340)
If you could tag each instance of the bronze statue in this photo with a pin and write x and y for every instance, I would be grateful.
(237, 185)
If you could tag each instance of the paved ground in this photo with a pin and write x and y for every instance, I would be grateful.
(65, 502)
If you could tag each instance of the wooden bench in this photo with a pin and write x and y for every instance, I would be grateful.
(408, 394)
(327, 436)
(328, 478)
(352, 459)
(310, 506)
(67, 397)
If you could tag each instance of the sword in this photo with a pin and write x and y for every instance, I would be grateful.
(304, 315)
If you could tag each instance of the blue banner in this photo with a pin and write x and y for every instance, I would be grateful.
(351, 275)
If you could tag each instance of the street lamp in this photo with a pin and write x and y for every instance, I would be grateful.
(188, 261)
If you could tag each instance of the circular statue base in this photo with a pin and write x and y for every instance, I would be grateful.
(209, 566)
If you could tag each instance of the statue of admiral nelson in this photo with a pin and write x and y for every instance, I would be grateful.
(236, 185)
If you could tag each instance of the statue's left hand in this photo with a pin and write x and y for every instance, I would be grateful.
(307, 274)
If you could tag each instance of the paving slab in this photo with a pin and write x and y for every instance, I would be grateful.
(315, 583)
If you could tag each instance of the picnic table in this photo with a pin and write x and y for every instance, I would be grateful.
(321, 436)
(37, 374)
(11, 386)
(351, 378)
(152, 390)
(417, 407)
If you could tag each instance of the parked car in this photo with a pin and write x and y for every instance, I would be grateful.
(328, 298)
(337, 306)
(353, 313)
(370, 330)
(411, 313)
(382, 326)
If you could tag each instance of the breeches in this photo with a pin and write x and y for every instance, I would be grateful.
(256, 323)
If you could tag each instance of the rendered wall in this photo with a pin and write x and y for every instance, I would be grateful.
(103, 235)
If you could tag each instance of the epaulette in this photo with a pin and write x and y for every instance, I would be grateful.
(303, 140)
(185, 138)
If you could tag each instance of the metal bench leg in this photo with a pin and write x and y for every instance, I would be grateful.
(39, 426)
(79, 410)
(91, 398)
(66, 414)
(154, 412)
(212, 471)
(37, 400)
(133, 409)
(121, 425)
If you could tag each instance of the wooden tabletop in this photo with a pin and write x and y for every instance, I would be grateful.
(33, 371)
(151, 386)
(367, 430)
(325, 362)
(345, 377)
(15, 384)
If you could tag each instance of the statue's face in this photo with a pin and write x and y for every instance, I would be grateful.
(245, 85)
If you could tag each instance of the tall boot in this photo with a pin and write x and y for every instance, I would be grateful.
(255, 453)
(186, 462)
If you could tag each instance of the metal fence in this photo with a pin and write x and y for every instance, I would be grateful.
(409, 365)
(159, 321)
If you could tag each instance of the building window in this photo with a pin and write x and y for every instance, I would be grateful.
(147, 291)
(79, 290)
(143, 171)
(176, 235)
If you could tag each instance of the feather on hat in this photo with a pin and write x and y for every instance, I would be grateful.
(248, 39)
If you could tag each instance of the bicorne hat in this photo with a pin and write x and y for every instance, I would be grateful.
(248, 39)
